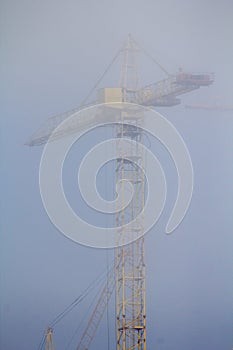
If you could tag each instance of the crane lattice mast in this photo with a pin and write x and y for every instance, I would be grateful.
(130, 268)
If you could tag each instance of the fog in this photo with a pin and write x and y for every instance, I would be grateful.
(52, 54)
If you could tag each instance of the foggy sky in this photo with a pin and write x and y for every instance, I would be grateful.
(52, 53)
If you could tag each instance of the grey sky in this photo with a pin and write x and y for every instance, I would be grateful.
(52, 53)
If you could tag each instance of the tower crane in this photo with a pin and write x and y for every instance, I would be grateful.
(94, 319)
(130, 276)
(49, 339)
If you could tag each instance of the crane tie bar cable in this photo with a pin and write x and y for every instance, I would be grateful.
(101, 77)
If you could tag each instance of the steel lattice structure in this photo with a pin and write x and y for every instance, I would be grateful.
(49, 339)
(130, 264)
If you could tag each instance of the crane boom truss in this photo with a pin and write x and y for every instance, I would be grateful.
(98, 312)
(49, 339)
